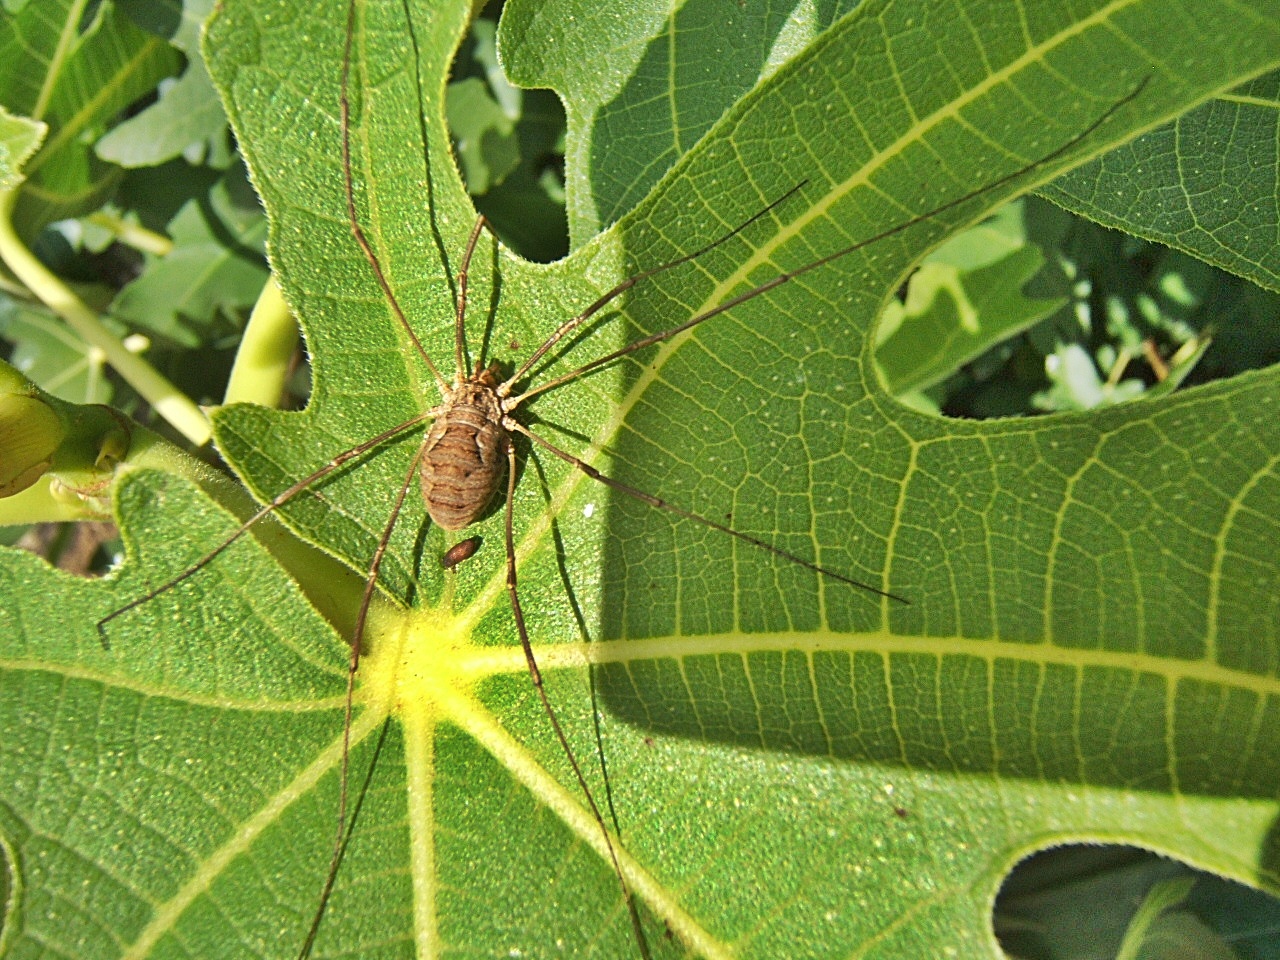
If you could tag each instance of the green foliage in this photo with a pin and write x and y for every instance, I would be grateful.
(199, 289)
(797, 769)
(70, 71)
(187, 115)
(1114, 901)
(1205, 182)
(509, 143)
(966, 298)
(77, 85)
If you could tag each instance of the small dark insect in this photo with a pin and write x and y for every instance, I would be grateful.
(462, 550)
(901, 293)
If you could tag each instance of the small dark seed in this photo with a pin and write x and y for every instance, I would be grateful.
(460, 551)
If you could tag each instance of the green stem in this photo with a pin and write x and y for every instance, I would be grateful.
(266, 351)
(132, 234)
(164, 397)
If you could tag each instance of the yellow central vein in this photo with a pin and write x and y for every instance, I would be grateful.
(488, 661)
(192, 696)
(419, 749)
(480, 724)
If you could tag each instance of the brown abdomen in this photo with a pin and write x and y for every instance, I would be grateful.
(462, 465)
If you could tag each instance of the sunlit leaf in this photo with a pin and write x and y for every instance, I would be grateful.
(798, 769)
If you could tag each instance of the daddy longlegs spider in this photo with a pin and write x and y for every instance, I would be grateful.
(468, 449)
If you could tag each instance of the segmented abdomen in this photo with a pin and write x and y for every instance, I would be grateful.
(462, 464)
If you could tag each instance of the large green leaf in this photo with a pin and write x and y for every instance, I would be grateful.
(798, 768)
(638, 100)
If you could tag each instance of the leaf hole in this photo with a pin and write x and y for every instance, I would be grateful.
(1104, 901)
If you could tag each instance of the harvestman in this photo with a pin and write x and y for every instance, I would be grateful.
(469, 446)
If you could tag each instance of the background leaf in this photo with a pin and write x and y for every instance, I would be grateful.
(216, 266)
(637, 102)
(100, 67)
(187, 111)
(965, 298)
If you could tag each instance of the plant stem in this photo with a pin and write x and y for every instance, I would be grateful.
(163, 396)
(132, 234)
(266, 350)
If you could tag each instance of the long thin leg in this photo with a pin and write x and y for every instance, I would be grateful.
(459, 325)
(361, 794)
(276, 502)
(353, 664)
(574, 322)
(535, 675)
(594, 474)
(357, 232)
(782, 278)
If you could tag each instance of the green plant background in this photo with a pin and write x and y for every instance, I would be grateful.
(796, 769)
